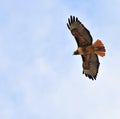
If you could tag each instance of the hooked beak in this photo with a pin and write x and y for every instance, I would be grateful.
(76, 52)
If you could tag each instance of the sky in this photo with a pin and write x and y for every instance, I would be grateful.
(39, 76)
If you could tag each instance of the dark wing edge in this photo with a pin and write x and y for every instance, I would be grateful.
(71, 20)
(92, 70)
(74, 25)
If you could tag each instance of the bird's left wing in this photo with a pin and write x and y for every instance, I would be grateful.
(90, 65)
(78, 30)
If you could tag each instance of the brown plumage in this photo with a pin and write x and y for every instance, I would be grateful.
(89, 51)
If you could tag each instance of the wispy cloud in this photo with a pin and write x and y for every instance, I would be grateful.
(39, 77)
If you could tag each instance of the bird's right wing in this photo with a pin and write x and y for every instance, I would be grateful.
(81, 34)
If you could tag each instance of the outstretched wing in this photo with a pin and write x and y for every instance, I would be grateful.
(81, 34)
(90, 65)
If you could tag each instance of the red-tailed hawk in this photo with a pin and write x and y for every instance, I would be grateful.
(89, 51)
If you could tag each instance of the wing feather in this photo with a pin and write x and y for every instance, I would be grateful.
(78, 30)
(92, 68)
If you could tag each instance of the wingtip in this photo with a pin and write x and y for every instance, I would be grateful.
(69, 21)
(77, 19)
(91, 77)
(72, 19)
(68, 26)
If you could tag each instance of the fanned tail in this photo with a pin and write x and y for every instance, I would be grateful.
(99, 48)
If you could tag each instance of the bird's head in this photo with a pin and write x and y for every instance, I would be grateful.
(79, 51)
(76, 52)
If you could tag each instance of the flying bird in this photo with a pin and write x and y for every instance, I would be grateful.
(88, 50)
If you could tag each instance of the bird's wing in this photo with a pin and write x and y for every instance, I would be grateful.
(78, 30)
(90, 65)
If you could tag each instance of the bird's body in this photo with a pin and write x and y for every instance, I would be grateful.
(89, 51)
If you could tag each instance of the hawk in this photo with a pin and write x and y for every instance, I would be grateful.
(89, 51)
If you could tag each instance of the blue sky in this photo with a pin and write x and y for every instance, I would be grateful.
(39, 76)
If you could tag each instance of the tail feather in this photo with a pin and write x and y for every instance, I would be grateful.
(99, 48)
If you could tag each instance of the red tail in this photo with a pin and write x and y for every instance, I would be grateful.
(99, 48)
